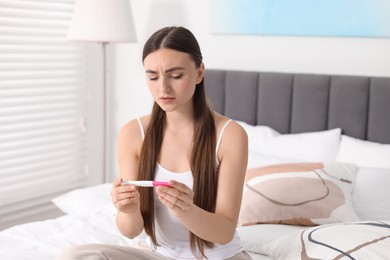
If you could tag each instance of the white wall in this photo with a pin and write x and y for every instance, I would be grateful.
(130, 97)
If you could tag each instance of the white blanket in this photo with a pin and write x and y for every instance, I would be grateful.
(46, 239)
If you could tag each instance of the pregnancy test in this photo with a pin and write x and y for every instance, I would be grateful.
(147, 183)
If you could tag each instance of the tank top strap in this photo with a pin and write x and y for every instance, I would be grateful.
(220, 138)
(141, 127)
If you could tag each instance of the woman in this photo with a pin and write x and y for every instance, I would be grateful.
(201, 153)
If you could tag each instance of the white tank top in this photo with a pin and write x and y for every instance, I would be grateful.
(171, 234)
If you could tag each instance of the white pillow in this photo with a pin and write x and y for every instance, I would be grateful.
(257, 134)
(309, 147)
(364, 153)
(256, 159)
(85, 199)
(371, 196)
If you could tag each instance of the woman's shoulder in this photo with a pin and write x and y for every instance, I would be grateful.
(232, 136)
(229, 124)
(133, 129)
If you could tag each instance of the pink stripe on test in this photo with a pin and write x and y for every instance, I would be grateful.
(161, 183)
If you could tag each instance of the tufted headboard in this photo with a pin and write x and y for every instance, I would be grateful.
(295, 103)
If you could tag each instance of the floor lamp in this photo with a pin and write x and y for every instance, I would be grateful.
(104, 22)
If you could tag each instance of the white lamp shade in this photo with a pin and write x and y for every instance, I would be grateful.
(102, 21)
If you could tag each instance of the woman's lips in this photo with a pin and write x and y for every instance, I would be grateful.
(167, 99)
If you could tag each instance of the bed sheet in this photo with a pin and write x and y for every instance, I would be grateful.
(90, 219)
(44, 240)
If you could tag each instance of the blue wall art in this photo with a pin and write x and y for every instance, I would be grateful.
(347, 18)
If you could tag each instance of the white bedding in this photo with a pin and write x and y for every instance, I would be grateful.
(90, 219)
(44, 240)
(90, 214)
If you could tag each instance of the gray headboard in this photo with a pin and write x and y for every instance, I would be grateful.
(295, 103)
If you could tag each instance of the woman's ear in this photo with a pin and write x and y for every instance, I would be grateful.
(200, 76)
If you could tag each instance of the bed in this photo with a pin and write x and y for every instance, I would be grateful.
(317, 179)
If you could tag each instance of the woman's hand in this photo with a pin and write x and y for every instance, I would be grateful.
(178, 198)
(125, 197)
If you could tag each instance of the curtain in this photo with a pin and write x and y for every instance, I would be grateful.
(43, 108)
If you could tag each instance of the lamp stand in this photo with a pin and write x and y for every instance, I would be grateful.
(105, 145)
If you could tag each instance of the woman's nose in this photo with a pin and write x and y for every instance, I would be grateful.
(164, 85)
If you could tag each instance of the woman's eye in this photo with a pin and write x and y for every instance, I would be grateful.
(153, 79)
(177, 76)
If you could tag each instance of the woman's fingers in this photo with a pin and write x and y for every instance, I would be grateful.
(178, 198)
(122, 195)
(117, 182)
(180, 187)
(125, 199)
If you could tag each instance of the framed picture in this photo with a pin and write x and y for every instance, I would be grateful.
(345, 18)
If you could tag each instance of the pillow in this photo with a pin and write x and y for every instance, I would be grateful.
(312, 146)
(85, 199)
(371, 196)
(298, 194)
(363, 153)
(359, 240)
(258, 134)
(256, 159)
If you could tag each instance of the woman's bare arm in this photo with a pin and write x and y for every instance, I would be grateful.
(126, 198)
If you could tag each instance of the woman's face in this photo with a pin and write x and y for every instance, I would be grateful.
(172, 77)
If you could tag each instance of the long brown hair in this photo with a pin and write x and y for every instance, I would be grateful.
(202, 159)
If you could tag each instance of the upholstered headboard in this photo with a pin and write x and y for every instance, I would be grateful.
(294, 103)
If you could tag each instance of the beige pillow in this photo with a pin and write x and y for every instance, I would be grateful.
(298, 194)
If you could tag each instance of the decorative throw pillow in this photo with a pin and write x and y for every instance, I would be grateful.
(358, 240)
(298, 194)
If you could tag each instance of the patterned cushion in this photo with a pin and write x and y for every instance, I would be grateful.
(298, 194)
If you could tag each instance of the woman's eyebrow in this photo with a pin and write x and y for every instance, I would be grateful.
(174, 69)
(166, 71)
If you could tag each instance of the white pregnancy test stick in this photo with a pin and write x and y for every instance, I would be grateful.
(146, 183)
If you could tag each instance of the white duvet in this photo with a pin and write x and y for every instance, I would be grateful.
(90, 219)
(46, 239)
